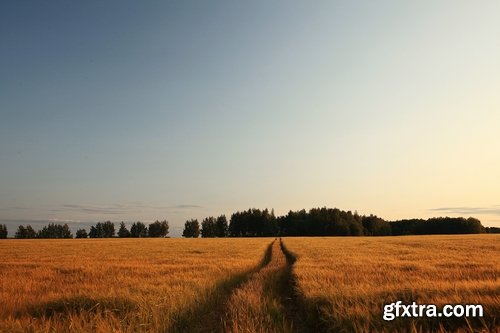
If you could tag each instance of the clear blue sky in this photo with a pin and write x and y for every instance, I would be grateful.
(138, 110)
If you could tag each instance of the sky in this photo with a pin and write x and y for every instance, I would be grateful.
(128, 110)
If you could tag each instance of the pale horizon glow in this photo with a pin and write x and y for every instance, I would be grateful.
(175, 110)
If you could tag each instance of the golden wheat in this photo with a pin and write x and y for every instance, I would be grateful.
(344, 282)
(256, 306)
(114, 285)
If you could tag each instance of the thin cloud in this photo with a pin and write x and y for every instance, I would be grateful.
(186, 206)
(12, 208)
(122, 208)
(42, 222)
(115, 209)
(488, 210)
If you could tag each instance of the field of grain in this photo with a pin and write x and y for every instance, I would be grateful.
(343, 283)
(333, 284)
(117, 285)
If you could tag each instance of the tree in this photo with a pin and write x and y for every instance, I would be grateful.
(55, 231)
(253, 223)
(221, 226)
(95, 231)
(3, 231)
(25, 232)
(492, 230)
(191, 229)
(21, 232)
(123, 232)
(437, 225)
(375, 226)
(108, 229)
(81, 233)
(102, 230)
(208, 227)
(158, 229)
(30, 232)
(138, 229)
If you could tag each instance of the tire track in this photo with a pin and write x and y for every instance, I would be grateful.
(207, 316)
(265, 303)
(259, 301)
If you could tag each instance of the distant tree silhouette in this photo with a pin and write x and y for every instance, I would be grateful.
(492, 230)
(320, 222)
(221, 226)
(95, 231)
(81, 233)
(55, 231)
(294, 223)
(375, 226)
(437, 225)
(25, 232)
(158, 229)
(102, 230)
(191, 229)
(405, 227)
(30, 232)
(21, 232)
(209, 227)
(109, 229)
(253, 223)
(123, 232)
(3, 231)
(138, 229)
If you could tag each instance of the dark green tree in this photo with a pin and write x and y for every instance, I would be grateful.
(221, 226)
(253, 223)
(138, 229)
(21, 232)
(209, 227)
(375, 226)
(30, 232)
(108, 228)
(437, 225)
(95, 231)
(3, 231)
(102, 230)
(54, 230)
(81, 233)
(191, 229)
(158, 229)
(25, 232)
(123, 232)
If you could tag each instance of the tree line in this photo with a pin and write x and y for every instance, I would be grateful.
(53, 230)
(99, 230)
(329, 222)
(263, 223)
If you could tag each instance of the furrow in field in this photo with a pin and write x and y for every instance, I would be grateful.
(264, 302)
(208, 316)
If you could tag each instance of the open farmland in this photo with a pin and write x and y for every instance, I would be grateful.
(343, 283)
(133, 285)
(316, 284)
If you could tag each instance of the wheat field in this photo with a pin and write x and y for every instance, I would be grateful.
(116, 285)
(333, 284)
(344, 282)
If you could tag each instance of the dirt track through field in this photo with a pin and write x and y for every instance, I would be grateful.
(259, 301)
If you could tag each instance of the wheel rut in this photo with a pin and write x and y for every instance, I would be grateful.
(259, 301)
